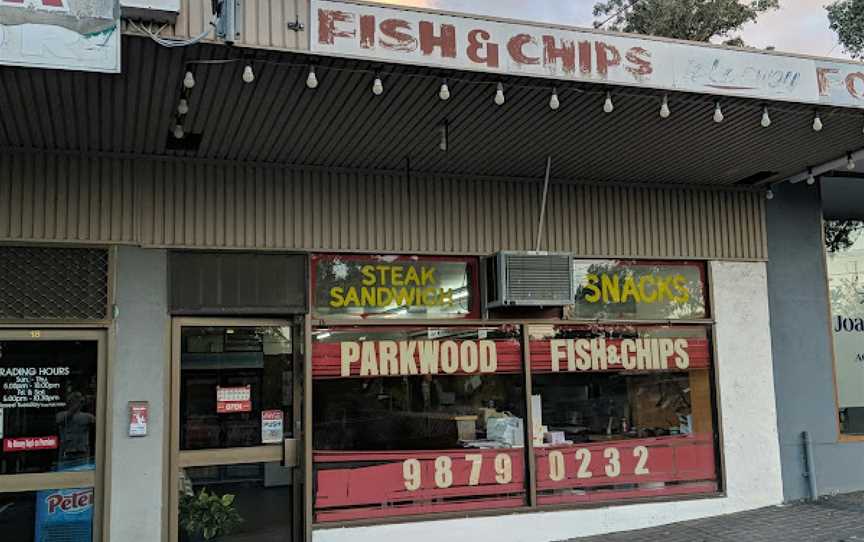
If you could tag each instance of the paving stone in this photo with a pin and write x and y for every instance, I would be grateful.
(832, 519)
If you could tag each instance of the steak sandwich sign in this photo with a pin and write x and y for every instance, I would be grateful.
(457, 42)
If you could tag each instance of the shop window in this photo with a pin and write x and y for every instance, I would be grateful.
(394, 287)
(413, 420)
(845, 262)
(230, 377)
(621, 412)
(51, 514)
(48, 414)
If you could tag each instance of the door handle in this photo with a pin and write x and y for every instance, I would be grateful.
(290, 452)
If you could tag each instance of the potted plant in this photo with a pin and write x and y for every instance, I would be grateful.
(207, 516)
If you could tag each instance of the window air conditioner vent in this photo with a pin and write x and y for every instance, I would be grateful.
(530, 279)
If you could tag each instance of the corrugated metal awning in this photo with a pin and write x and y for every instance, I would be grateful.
(341, 124)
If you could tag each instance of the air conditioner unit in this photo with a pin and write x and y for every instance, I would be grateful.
(529, 279)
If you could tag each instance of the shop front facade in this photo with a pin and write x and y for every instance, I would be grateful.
(304, 289)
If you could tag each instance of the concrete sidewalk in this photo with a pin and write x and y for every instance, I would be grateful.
(831, 519)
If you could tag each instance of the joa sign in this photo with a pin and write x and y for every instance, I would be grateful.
(404, 287)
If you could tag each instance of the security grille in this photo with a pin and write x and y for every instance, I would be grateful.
(40, 283)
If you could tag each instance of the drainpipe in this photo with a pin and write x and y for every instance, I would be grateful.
(809, 467)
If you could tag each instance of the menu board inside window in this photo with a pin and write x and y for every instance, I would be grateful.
(394, 287)
(414, 420)
(636, 290)
(622, 412)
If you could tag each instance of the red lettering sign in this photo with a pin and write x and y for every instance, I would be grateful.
(30, 444)
(416, 482)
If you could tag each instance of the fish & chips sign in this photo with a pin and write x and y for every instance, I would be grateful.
(458, 42)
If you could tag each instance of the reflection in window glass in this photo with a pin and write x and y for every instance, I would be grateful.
(51, 514)
(621, 412)
(845, 249)
(254, 500)
(47, 406)
(231, 379)
(415, 420)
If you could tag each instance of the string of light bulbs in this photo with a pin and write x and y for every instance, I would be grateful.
(498, 97)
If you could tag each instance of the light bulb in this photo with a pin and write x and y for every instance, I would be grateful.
(183, 106)
(248, 74)
(608, 106)
(769, 194)
(817, 123)
(499, 95)
(377, 87)
(189, 80)
(850, 163)
(444, 93)
(443, 144)
(766, 118)
(664, 108)
(312, 79)
(554, 103)
(178, 131)
(718, 113)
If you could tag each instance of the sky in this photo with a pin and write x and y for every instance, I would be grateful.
(799, 26)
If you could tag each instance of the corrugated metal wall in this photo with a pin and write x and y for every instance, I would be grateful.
(261, 23)
(198, 204)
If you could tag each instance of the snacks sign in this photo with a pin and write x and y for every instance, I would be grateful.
(393, 286)
(614, 289)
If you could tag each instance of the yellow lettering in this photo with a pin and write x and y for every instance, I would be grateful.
(368, 273)
(382, 271)
(427, 275)
(610, 288)
(406, 297)
(351, 297)
(429, 296)
(643, 282)
(336, 297)
(681, 285)
(411, 277)
(367, 297)
(385, 297)
(630, 290)
(591, 285)
(396, 276)
(663, 286)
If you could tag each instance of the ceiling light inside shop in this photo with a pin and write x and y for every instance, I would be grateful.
(183, 106)
(178, 131)
(811, 179)
(608, 106)
(189, 80)
(769, 194)
(850, 162)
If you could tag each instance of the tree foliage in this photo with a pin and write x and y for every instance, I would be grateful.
(847, 20)
(695, 20)
(840, 235)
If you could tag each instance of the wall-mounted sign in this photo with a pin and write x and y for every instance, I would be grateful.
(233, 399)
(624, 290)
(459, 42)
(352, 286)
(139, 415)
(61, 34)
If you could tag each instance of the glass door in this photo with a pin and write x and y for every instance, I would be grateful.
(52, 416)
(235, 415)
